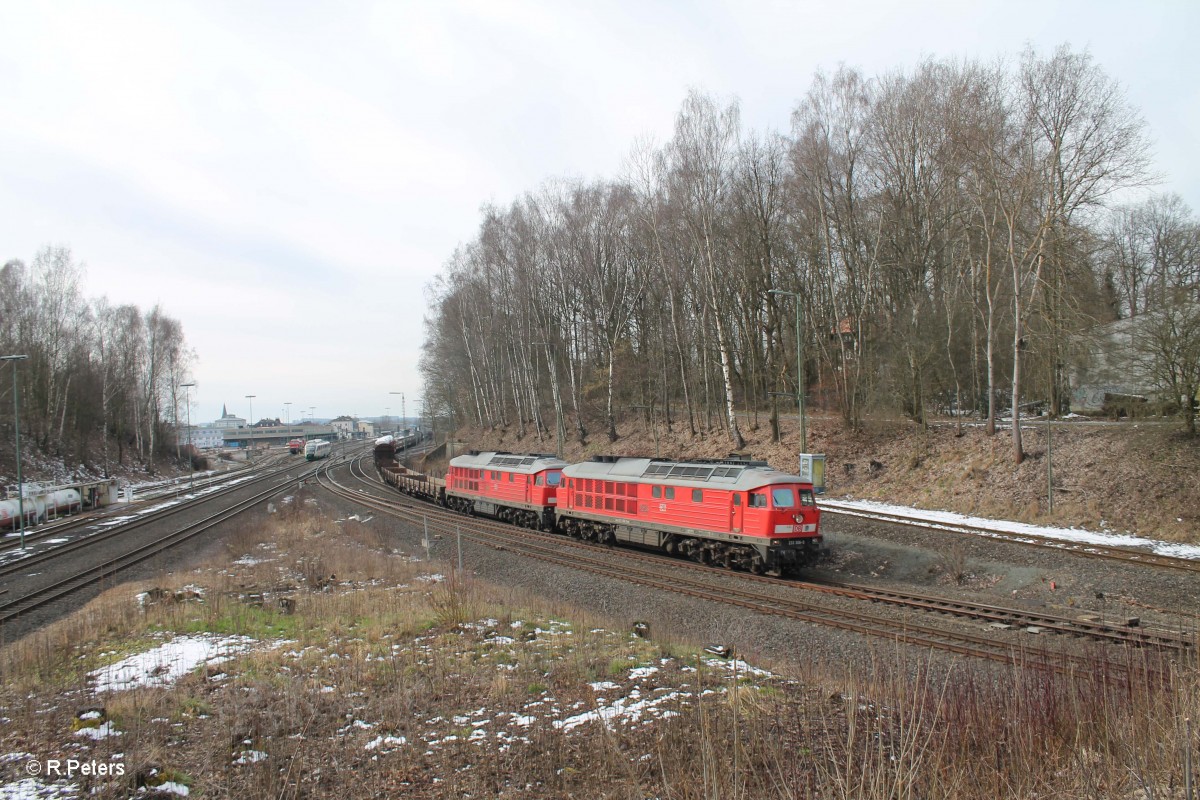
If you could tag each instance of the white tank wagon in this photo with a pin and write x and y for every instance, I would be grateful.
(10, 514)
(39, 507)
(317, 448)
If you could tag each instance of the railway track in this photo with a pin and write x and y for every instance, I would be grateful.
(1086, 549)
(58, 588)
(23, 563)
(694, 580)
(67, 526)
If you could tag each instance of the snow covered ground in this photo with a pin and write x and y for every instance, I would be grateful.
(1073, 535)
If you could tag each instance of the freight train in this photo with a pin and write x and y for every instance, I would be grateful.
(735, 513)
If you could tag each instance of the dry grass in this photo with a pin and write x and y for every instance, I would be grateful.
(382, 679)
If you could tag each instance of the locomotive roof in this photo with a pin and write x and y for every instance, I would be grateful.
(729, 474)
(509, 462)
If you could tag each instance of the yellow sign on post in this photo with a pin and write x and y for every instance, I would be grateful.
(812, 470)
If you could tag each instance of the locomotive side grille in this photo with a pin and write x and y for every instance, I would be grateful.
(692, 472)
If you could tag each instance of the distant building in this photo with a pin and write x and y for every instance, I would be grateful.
(228, 421)
(202, 437)
(343, 426)
(364, 429)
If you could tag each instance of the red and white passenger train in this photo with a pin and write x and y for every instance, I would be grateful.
(734, 513)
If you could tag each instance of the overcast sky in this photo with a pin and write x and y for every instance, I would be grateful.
(285, 178)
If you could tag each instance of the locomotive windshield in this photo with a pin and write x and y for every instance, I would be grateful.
(550, 479)
(783, 498)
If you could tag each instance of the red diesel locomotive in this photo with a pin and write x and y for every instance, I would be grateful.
(733, 513)
(520, 489)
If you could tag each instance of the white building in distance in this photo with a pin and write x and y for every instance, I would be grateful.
(228, 421)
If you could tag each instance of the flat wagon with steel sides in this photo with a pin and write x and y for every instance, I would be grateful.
(414, 484)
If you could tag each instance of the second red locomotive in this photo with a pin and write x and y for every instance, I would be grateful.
(521, 489)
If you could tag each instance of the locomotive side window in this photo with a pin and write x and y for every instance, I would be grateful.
(758, 500)
(783, 498)
(670, 492)
(697, 495)
(539, 481)
(737, 499)
(806, 498)
(511, 477)
(656, 491)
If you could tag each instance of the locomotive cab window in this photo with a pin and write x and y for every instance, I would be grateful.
(758, 500)
(737, 499)
(807, 499)
(783, 498)
(539, 480)
(553, 478)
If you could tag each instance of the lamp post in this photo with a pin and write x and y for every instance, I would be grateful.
(17, 431)
(799, 369)
(288, 414)
(250, 447)
(402, 415)
(187, 402)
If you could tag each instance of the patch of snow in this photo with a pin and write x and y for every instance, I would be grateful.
(620, 709)
(102, 732)
(17, 756)
(168, 662)
(251, 757)
(642, 672)
(33, 789)
(1075, 535)
(173, 788)
(384, 741)
(738, 666)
